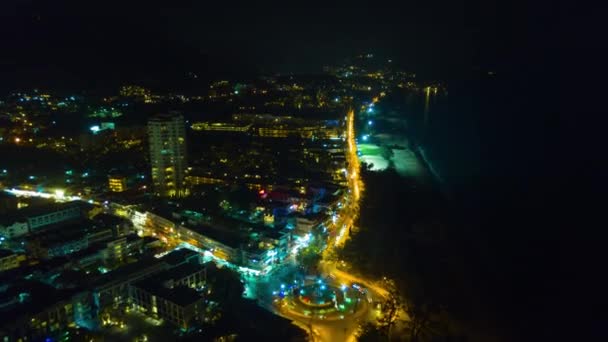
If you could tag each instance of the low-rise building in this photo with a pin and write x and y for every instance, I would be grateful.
(113, 287)
(10, 259)
(181, 306)
(33, 219)
(32, 311)
(66, 239)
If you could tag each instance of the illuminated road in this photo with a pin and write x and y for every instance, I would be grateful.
(347, 217)
(350, 210)
(343, 329)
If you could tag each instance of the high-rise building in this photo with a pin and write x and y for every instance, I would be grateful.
(167, 135)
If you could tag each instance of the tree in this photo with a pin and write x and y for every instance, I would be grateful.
(419, 306)
(391, 307)
(225, 285)
(309, 258)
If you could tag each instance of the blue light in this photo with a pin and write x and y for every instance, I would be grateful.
(323, 287)
(369, 110)
(365, 137)
(370, 122)
(320, 281)
(282, 286)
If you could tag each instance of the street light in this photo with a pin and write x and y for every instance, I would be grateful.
(59, 193)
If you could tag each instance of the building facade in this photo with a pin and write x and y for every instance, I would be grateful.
(117, 183)
(167, 137)
(10, 259)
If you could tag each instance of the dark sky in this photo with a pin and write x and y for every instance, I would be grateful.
(113, 38)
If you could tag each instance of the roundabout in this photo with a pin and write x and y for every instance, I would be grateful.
(320, 300)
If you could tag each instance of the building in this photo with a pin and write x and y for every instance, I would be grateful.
(117, 183)
(171, 294)
(33, 311)
(167, 136)
(39, 218)
(67, 239)
(33, 219)
(220, 127)
(182, 306)
(10, 259)
(114, 287)
(137, 93)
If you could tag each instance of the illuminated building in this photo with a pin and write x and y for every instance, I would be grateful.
(167, 135)
(9, 259)
(117, 183)
(199, 180)
(36, 311)
(138, 93)
(29, 220)
(171, 295)
(114, 287)
(280, 131)
(67, 239)
(220, 127)
(102, 127)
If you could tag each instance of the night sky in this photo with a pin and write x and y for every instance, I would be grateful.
(116, 39)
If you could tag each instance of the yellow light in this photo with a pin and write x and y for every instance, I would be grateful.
(59, 193)
(17, 140)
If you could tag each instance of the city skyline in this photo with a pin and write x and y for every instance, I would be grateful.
(226, 171)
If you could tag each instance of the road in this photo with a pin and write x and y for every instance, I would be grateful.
(344, 329)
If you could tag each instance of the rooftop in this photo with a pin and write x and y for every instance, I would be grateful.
(164, 117)
(179, 256)
(110, 220)
(178, 272)
(227, 237)
(33, 297)
(68, 232)
(23, 214)
(125, 272)
(180, 295)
